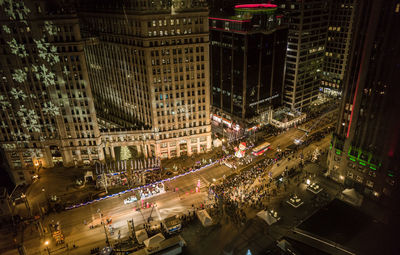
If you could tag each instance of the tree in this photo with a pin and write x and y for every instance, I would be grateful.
(125, 153)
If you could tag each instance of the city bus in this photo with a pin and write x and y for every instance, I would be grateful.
(259, 150)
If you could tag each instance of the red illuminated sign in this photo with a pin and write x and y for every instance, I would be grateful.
(256, 6)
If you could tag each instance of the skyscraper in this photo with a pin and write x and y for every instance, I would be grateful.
(308, 22)
(365, 147)
(247, 62)
(148, 63)
(47, 113)
(340, 31)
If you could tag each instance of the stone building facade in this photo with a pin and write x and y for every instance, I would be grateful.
(149, 69)
(143, 70)
(47, 113)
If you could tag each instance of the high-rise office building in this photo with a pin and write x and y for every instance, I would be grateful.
(247, 62)
(340, 31)
(148, 63)
(220, 6)
(365, 151)
(47, 113)
(308, 23)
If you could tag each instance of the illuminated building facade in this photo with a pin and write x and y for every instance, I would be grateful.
(340, 30)
(149, 69)
(47, 113)
(365, 151)
(308, 23)
(247, 53)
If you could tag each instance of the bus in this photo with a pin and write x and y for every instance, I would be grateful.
(259, 150)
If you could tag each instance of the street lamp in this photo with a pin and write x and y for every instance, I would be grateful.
(104, 226)
(44, 194)
(23, 196)
(47, 247)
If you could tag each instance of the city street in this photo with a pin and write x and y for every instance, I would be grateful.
(199, 127)
(172, 202)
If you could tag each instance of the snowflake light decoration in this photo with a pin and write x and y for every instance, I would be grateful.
(51, 109)
(9, 146)
(6, 29)
(50, 28)
(47, 52)
(17, 49)
(18, 94)
(15, 9)
(30, 120)
(4, 102)
(35, 152)
(19, 75)
(44, 74)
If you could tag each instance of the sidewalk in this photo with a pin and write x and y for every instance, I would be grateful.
(185, 162)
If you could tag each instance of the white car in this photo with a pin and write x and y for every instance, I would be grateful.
(130, 200)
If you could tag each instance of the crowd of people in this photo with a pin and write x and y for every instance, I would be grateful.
(247, 189)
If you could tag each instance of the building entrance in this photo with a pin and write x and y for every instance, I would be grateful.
(56, 154)
(183, 148)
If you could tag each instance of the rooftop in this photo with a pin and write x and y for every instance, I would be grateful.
(349, 226)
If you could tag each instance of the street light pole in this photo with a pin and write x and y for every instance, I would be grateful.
(105, 182)
(27, 204)
(44, 194)
(105, 232)
(104, 226)
(47, 247)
